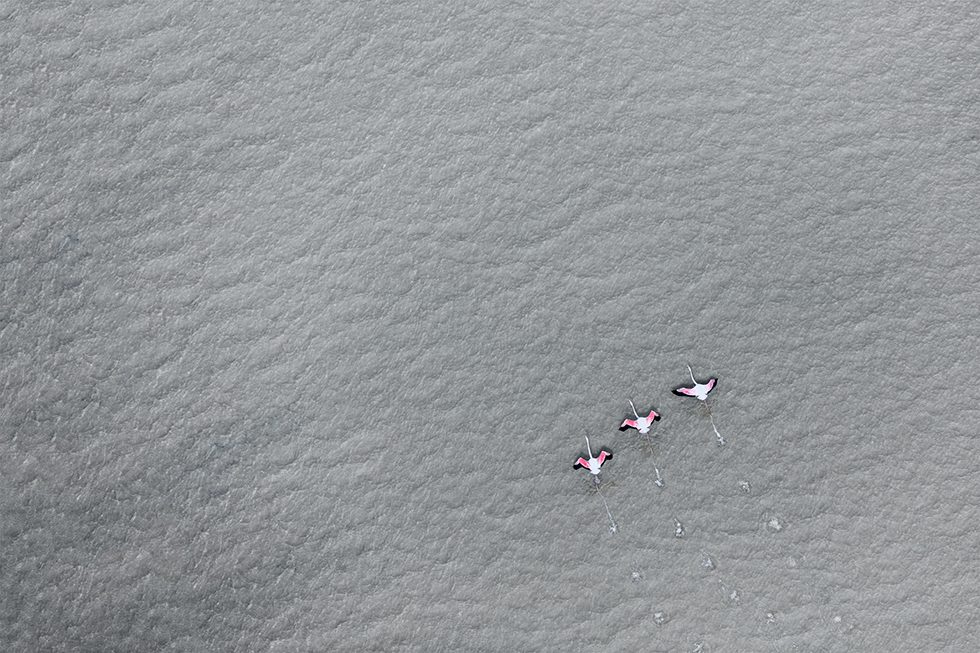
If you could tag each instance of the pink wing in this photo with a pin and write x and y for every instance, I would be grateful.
(581, 462)
(685, 391)
(603, 455)
(627, 422)
(711, 384)
(653, 416)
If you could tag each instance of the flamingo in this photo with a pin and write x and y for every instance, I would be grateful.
(641, 424)
(700, 392)
(594, 465)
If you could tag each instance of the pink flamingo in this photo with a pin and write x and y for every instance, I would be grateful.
(700, 392)
(641, 424)
(594, 465)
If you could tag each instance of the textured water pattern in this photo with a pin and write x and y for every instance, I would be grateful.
(306, 309)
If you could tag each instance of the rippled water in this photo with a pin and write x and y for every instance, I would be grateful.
(306, 313)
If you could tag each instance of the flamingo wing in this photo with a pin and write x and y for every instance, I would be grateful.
(653, 416)
(581, 462)
(604, 455)
(684, 391)
(627, 423)
(711, 384)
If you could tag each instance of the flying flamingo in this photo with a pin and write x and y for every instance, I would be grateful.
(641, 424)
(700, 392)
(594, 465)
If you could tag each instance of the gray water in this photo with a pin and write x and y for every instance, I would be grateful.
(307, 311)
